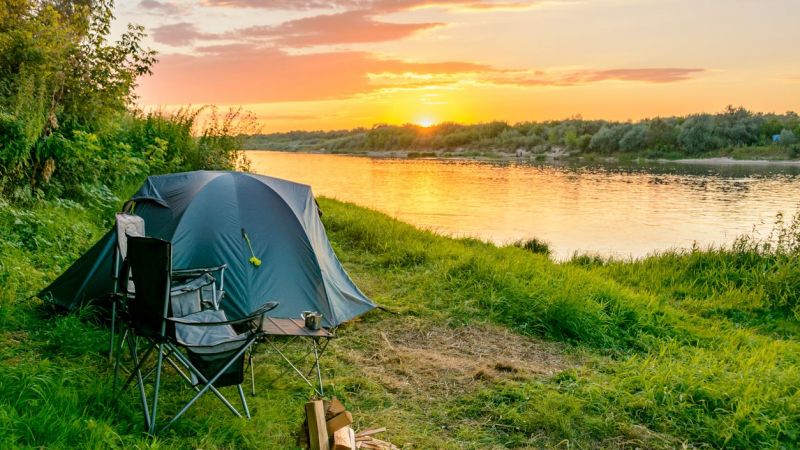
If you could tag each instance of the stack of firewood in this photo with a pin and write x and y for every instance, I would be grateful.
(328, 426)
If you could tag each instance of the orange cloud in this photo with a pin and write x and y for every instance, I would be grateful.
(289, 4)
(358, 26)
(342, 28)
(375, 6)
(240, 73)
(235, 74)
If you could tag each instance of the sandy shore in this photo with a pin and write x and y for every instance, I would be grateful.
(725, 161)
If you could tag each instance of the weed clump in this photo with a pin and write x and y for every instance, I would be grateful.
(534, 245)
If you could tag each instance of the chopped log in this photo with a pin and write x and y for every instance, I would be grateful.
(363, 438)
(333, 408)
(317, 431)
(344, 439)
(370, 432)
(384, 444)
(342, 420)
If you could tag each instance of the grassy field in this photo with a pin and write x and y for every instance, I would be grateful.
(484, 347)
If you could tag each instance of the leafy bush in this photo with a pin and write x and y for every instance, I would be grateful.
(12, 142)
(63, 86)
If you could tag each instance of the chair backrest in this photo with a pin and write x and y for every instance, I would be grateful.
(127, 225)
(150, 261)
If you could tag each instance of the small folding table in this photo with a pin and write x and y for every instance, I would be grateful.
(289, 330)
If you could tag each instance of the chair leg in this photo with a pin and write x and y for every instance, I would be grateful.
(137, 363)
(113, 330)
(137, 371)
(252, 371)
(177, 369)
(118, 357)
(209, 385)
(158, 385)
(200, 376)
(244, 401)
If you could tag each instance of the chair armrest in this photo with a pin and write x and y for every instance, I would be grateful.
(257, 314)
(198, 270)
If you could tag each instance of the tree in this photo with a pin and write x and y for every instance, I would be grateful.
(60, 75)
(738, 127)
(662, 134)
(635, 139)
(788, 138)
(606, 140)
(698, 135)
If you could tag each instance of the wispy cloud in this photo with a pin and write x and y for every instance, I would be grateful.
(532, 78)
(182, 33)
(576, 77)
(292, 117)
(160, 7)
(649, 75)
(342, 28)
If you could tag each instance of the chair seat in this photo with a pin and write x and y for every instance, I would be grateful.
(211, 338)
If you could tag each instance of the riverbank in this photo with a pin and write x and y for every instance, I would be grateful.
(486, 347)
(552, 158)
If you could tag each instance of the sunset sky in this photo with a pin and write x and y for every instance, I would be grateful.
(326, 64)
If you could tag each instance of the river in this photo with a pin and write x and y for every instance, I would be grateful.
(620, 211)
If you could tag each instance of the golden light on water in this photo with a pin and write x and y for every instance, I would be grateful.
(612, 213)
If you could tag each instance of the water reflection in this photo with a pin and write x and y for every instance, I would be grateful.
(611, 210)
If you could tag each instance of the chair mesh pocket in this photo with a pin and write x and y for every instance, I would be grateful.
(210, 364)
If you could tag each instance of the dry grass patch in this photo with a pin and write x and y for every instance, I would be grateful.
(414, 357)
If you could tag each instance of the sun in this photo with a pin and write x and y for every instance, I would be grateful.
(425, 122)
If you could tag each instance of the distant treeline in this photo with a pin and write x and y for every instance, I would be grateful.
(694, 135)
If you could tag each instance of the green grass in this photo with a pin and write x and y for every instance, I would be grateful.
(697, 348)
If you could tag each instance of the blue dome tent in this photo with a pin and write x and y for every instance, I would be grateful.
(209, 216)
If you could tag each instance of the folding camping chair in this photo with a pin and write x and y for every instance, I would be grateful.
(198, 283)
(215, 351)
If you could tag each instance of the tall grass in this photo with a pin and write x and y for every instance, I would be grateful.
(677, 374)
(755, 282)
